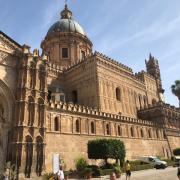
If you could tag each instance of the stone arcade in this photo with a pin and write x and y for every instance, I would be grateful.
(56, 102)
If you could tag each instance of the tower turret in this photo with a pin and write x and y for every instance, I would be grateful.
(152, 67)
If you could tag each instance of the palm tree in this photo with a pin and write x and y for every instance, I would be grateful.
(175, 88)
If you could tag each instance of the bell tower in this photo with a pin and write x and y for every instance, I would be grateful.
(152, 67)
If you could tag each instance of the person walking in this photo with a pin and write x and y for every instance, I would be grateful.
(113, 176)
(128, 170)
(178, 172)
(60, 174)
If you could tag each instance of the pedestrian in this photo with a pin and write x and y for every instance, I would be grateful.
(178, 172)
(60, 173)
(128, 170)
(113, 176)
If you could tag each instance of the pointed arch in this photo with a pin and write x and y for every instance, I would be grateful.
(118, 94)
(132, 131)
(41, 111)
(32, 74)
(119, 130)
(92, 127)
(31, 109)
(29, 155)
(107, 129)
(40, 155)
(77, 125)
(42, 77)
(142, 133)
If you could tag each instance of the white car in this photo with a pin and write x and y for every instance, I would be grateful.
(154, 160)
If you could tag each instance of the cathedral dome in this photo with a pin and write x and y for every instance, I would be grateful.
(66, 24)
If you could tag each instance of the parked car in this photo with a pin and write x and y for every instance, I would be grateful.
(177, 161)
(157, 163)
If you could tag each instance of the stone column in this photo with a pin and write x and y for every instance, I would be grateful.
(23, 160)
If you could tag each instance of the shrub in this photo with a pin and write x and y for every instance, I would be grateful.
(87, 170)
(169, 162)
(81, 164)
(106, 172)
(117, 169)
(176, 152)
(96, 171)
(47, 176)
(107, 166)
(142, 167)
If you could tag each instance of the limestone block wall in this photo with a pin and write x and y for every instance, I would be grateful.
(70, 147)
(82, 79)
(70, 127)
(132, 91)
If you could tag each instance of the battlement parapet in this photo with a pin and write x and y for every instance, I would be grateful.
(160, 104)
(74, 108)
(113, 61)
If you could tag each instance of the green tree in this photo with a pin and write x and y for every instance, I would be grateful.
(175, 88)
(106, 148)
(176, 152)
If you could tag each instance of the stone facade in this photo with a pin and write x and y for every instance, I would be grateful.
(58, 101)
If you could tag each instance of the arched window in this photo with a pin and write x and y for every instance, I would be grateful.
(118, 94)
(30, 111)
(92, 128)
(40, 112)
(119, 130)
(32, 75)
(149, 133)
(74, 97)
(29, 154)
(77, 126)
(142, 133)
(145, 102)
(40, 155)
(56, 124)
(42, 75)
(140, 103)
(154, 102)
(157, 133)
(107, 129)
(164, 135)
(132, 132)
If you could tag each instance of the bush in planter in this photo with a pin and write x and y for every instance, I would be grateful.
(88, 172)
(176, 152)
(81, 164)
(47, 176)
(96, 171)
(117, 171)
(66, 174)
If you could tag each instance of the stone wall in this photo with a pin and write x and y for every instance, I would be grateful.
(70, 147)
(63, 136)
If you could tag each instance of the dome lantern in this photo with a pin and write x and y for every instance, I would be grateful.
(66, 13)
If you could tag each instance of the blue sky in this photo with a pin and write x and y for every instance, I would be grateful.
(125, 30)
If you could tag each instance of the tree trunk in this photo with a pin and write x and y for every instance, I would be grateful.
(106, 161)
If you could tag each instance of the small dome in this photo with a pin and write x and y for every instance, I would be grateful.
(66, 24)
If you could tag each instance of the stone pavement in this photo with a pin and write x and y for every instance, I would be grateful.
(169, 173)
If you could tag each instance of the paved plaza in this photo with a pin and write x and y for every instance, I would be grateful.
(152, 174)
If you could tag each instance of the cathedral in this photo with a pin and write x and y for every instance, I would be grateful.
(54, 103)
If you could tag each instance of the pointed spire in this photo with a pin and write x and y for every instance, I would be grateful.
(150, 56)
(66, 13)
